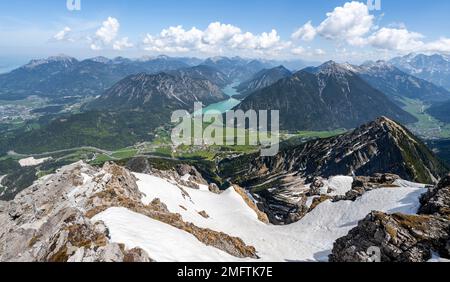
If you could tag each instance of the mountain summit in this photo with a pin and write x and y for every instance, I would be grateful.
(328, 97)
(380, 146)
(262, 79)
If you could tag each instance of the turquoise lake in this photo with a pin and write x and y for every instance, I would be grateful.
(227, 104)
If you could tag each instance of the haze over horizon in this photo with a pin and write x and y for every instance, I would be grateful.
(312, 31)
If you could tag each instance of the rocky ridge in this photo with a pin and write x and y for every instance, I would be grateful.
(382, 148)
(51, 220)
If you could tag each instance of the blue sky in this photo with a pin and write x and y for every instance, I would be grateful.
(251, 28)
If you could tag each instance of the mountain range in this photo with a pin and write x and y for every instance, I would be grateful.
(62, 75)
(158, 93)
(327, 97)
(66, 76)
(397, 84)
(434, 68)
(236, 68)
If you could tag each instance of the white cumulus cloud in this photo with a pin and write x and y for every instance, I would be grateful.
(106, 34)
(319, 52)
(298, 51)
(109, 30)
(306, 33)
(398, 39)
(122, 44)
(218, 32)
(442, 45)
(63, 35)
(174, 39)
(350, 23)
(216, 38)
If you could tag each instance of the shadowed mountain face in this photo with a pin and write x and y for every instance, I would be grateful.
(328, 97)
(440, 111)
(261, 80)
(161, 93)
(382, 146)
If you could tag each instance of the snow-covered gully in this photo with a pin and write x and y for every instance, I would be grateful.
(310, 239)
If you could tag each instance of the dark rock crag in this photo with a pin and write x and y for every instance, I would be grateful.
(399, 237)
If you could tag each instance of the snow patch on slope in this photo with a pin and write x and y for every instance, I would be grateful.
(310, 239)
(32, 161)
(339, 185)
(163, 242)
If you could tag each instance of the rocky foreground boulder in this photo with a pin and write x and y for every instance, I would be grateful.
(401, 238)
(51, 220)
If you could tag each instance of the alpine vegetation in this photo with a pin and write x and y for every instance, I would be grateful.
(232, 128)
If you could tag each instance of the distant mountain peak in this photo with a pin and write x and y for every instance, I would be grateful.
(262, 79)
(379, 65)
(52, 59)
(217, 59)
(330, 96)
(281, 67)
(100, 59)
(331, 67)
(163, 57)
(61, 57)
(397, 83)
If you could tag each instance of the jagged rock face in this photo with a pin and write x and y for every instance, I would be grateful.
(363, 184)
(139, 164)
(382, 146)
(51, 220)
(437, 199)
(46, 222)
(288, 205)
(376, 181)
(399, 237)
